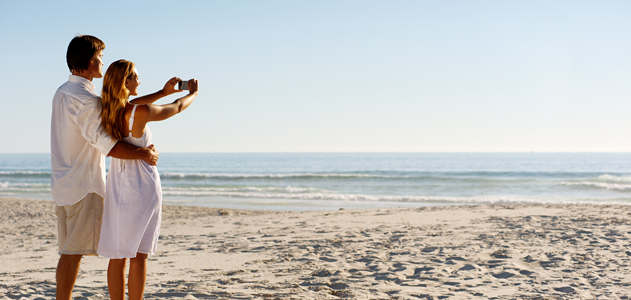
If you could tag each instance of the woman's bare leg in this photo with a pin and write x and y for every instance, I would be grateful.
(116, 278)
(137, 276)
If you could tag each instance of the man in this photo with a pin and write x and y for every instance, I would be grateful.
(78, 143)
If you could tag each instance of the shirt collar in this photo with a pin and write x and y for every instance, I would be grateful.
(82, 81)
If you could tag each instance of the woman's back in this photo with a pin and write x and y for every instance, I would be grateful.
(133, 200)
(137, 133)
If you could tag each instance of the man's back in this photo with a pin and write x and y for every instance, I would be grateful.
(77, 143)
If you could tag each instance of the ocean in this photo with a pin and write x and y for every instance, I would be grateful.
(330, 181)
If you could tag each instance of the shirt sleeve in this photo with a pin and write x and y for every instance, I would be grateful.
(89, 121)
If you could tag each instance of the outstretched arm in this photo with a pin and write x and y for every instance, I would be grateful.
(169, 88)
(163, 112)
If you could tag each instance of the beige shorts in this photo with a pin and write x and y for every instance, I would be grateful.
(79, 226)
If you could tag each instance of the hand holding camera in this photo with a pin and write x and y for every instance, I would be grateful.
(169, 87)
(190, 85)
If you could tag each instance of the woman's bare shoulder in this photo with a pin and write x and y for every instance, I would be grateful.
(142, 112)
(141, 109)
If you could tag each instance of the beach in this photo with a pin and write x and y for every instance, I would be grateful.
(517, 251)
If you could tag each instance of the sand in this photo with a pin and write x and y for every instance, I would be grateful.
(459, 252)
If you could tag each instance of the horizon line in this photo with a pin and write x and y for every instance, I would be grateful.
(335, 152)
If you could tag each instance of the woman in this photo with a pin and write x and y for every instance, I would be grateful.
(133, 196)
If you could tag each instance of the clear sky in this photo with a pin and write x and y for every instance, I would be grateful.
(364, 76)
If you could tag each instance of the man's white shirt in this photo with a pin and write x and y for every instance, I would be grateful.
(78, 143)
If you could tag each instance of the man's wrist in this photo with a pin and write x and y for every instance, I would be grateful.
(146, 153)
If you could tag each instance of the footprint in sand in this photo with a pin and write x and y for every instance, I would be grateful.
(503, 275)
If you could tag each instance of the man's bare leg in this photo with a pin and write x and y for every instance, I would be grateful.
(67, 271)
(137, 276)
(116, 278)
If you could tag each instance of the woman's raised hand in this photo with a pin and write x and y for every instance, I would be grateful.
(169, 87)
(193, 86)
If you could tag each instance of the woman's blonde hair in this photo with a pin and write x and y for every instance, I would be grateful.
(114, 97)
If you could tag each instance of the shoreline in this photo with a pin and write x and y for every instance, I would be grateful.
(534, 251)
(295, 205)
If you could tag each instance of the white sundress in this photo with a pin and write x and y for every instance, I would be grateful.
(133, 204)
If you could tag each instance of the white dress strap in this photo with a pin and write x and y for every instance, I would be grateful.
(131, 120)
